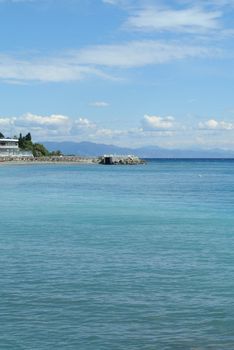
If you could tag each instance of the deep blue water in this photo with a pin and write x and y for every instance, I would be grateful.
(117, 257)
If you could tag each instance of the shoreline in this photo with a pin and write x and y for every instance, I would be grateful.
(67, 160)
(47, 160)
(21, 162)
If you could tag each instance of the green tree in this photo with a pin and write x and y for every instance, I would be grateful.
(25, 142)
(28, 137)
(56, 153)
(1, 136)
(21, 141)
(37, 149)
(40, 150)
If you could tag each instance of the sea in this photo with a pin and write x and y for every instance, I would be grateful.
(97, 257)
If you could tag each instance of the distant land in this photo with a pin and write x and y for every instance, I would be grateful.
(97, 149)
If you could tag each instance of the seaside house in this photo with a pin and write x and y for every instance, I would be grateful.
(10, 148)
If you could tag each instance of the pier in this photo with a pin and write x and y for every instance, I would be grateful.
(121, 160)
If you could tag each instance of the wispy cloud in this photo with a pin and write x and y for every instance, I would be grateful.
(210, 3)
(140, 53)
(177, 17)
(99, 104)
(44, 70)
(111, 2)
(122, 3)
(182, 20)
(93, 61)
(21, 1)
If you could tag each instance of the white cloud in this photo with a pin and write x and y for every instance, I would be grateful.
(52, 120)
(155, 123)
(93, 61)
(213, 124)
(139, 53)
(42, 126)
(61, 127)
(44, 70)
(99, 104)
(84, 123)
(111, 2)
(185, 20)
(153, 129)
(15, 1)
(214, 3)
(4, 122)
(47, 126)
(117, 2)
(110, 133)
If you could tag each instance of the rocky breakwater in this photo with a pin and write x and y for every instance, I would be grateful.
(51, 159)
(120, 160)
(107, 160)
(66, 159)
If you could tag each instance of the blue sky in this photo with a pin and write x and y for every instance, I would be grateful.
(124, 72)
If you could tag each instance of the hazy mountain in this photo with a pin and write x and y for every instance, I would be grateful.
(86, 148)
(97, 149)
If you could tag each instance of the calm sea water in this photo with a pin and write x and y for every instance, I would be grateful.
(115, 258)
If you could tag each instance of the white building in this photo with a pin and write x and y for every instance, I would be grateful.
(10, 148)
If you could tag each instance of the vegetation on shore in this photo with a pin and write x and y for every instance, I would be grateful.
(37, 149)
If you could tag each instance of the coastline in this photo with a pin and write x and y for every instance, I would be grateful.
(66, 160)
(49, 160)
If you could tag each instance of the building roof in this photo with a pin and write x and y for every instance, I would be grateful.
(9, 140)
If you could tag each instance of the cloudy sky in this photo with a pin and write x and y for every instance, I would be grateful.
(125, 72)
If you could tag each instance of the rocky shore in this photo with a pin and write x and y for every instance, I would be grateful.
(120, 160)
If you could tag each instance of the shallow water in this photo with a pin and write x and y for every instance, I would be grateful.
(121, 257)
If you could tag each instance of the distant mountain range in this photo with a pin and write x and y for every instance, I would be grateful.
(97, 149)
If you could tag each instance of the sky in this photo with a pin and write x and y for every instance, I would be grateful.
(124, 72)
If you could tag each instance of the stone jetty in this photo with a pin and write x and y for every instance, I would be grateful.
(106, 160)
(120, 160)
(51, 159)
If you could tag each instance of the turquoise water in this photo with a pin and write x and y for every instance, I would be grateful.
(106, 258)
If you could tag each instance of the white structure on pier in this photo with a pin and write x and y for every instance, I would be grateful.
(10, 148)
(120, 159)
